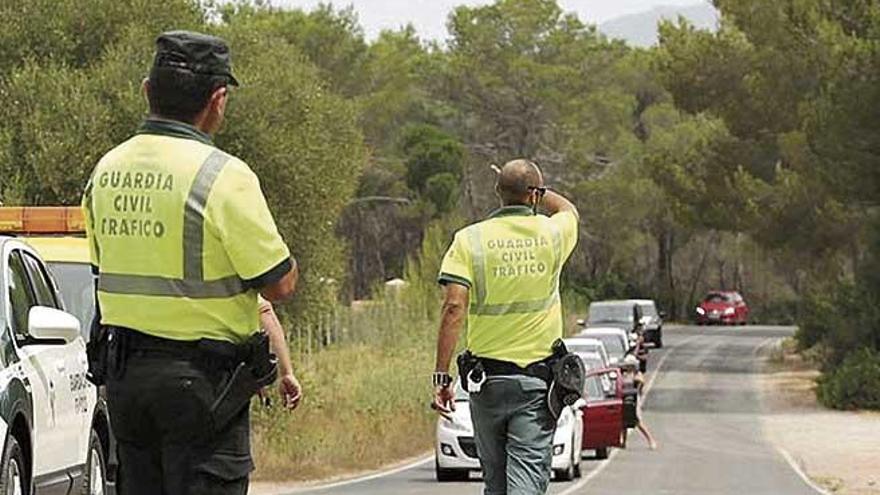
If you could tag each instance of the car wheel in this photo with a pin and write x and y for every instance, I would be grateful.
(602, 453)
(658, 342)
(565, 474)
(12, 469)
(447, 475)
(95, 479)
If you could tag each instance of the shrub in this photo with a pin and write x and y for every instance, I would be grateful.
(855, 384)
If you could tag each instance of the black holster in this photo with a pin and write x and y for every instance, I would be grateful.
(467, 362)
(256, 368)
(97, 354)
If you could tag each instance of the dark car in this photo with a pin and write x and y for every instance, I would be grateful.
(722, 308)
(652, 320)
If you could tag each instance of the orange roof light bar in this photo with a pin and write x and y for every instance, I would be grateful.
(41, 220)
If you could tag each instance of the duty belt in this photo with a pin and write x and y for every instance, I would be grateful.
(539, 369)
(217, 352)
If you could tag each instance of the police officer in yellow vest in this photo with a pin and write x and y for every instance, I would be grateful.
(182, 242)
(502, 275)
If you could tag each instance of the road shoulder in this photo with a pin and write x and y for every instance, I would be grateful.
(838, 450)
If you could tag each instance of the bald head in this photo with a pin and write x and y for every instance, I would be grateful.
(515, 179)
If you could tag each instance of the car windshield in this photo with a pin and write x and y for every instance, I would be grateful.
(76, 284)
(716, 298)
(613, 344)
(617, 313)
(648, 309)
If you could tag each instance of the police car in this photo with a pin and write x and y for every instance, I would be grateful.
(55, 430)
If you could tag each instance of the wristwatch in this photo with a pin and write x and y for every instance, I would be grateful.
(441, 379)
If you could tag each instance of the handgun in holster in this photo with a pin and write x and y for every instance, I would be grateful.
(257, 368)
(468, 364)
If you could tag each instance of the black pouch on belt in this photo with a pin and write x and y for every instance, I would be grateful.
(257, 368)
(569, 378)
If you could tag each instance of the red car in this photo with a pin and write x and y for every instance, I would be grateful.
(723, 308)
(603, 412)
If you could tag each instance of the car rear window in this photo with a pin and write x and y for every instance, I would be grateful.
(594, 388)
(613, 344)
(611, 313)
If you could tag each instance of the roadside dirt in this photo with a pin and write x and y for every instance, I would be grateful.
(838, 450)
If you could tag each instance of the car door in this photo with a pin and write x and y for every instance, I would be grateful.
(40, 363)
(603, 417)
(66, 369)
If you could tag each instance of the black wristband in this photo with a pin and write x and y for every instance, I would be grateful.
(441, 379)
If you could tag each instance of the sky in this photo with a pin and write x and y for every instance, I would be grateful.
(429, 16)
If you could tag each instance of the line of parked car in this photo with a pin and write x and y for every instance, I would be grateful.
(599, 422)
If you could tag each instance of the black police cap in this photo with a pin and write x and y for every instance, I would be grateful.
(196, 52)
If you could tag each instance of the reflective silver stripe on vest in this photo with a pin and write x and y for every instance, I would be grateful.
(519, 307)
(192, 285)
(145, 285)
(89, 203)
(481, 308)
(478, 259)
(557, 246)
(194, 214)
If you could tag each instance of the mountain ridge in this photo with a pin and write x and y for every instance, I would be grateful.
(640, 29)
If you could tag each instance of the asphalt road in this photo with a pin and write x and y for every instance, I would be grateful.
(703, 407)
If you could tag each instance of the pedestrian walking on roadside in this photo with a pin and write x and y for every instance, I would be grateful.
(502, 276)
(182, 243)
(630, 368)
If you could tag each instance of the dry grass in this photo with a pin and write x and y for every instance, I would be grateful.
(365, 406)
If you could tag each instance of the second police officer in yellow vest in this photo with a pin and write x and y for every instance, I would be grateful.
(502, 276)
(182, 242)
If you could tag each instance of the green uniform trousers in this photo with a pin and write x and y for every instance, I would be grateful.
(513, 430)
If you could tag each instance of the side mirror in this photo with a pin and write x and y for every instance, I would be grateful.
(52, 324)
(662, 314)
(581, 322)
(579, 404)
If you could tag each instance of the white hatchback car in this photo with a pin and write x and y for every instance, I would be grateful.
(55, 431)
(456, 452)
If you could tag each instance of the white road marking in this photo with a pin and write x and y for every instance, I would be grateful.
(380, 474)
(800, 472)
(602, 465)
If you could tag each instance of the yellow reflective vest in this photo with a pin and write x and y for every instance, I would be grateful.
(511, 263)
(181, 236)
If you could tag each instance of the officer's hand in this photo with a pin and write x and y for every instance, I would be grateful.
(444, 400)
(290, 391)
